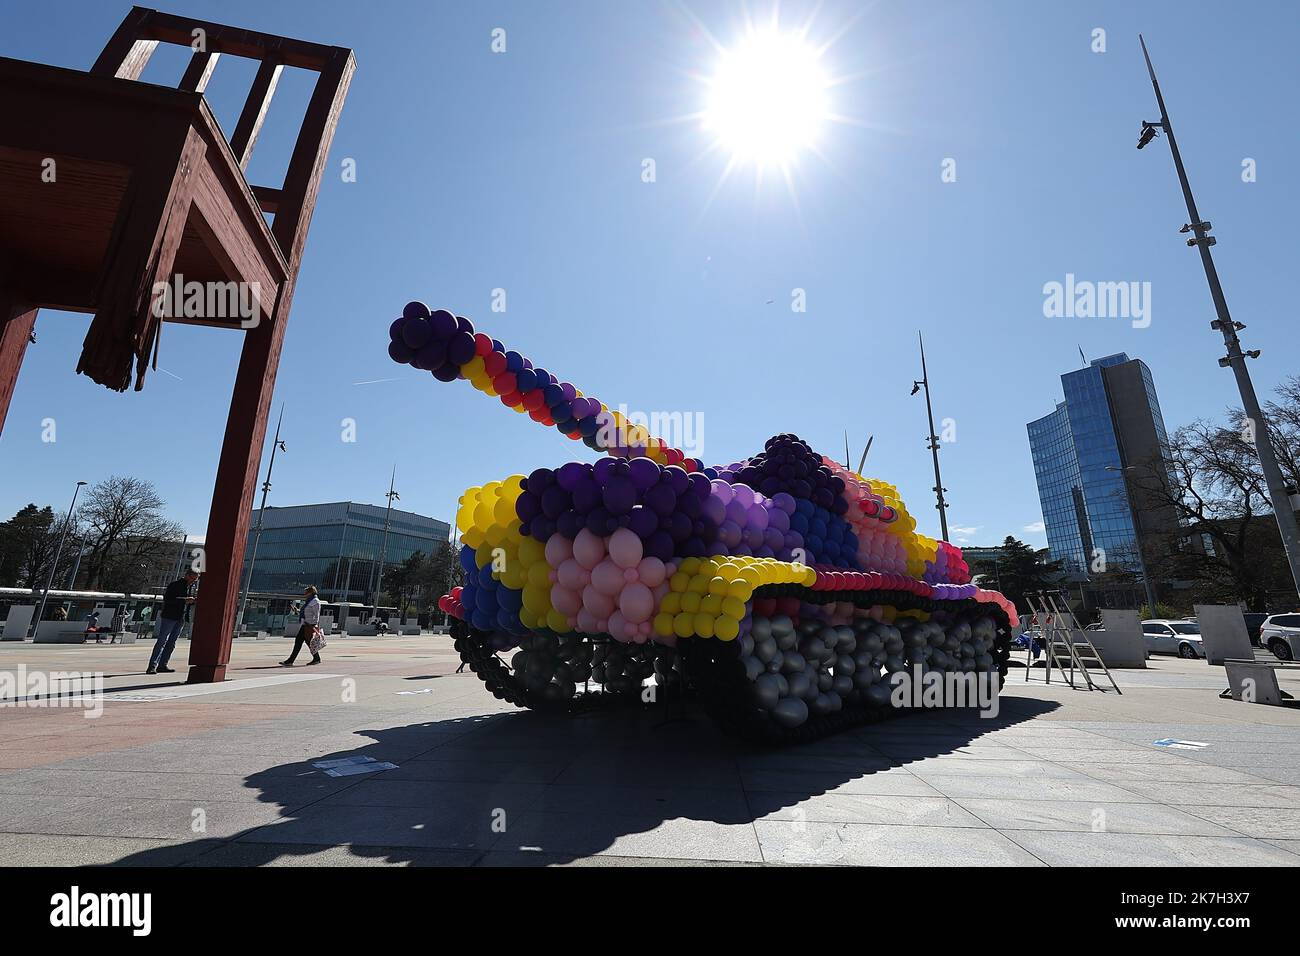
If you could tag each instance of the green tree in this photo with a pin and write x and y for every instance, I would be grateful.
(1018, 571)
(404, 581)
(27, 544)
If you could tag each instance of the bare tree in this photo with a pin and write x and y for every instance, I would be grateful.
(131, 541)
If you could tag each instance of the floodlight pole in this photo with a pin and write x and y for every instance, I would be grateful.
(58, 552)
(257, 533)
(1236, 358)
(933, 444)
(383, 549)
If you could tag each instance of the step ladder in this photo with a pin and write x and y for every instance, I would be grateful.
(1061, 641)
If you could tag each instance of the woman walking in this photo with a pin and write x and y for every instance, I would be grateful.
(308, 620)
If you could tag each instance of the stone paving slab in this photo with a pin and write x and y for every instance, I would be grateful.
(1059, 777)
(1057, 848)
(856, 844)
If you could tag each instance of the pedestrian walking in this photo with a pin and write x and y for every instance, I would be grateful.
(309, 631)
(92, 627)
(176, 599)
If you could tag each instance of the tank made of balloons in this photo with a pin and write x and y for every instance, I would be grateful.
(790, 594)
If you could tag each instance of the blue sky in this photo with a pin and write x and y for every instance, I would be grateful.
(522, 170)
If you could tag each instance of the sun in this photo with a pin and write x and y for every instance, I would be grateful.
(767, 100)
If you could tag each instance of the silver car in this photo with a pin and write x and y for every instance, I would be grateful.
(1280, 633)
(1173, 637)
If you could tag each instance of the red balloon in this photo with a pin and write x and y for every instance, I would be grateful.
(504, 383)
(482, 344)
(494, 363)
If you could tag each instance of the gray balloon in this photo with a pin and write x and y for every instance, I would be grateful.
(790, 712)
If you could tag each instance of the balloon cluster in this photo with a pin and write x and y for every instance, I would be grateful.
(810, 665)
(650, 545)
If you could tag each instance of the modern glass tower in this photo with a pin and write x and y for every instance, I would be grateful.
(1109, 421)
(335, 546)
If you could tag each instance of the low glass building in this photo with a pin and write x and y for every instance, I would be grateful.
(335, 546)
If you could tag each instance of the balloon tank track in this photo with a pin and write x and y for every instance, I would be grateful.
(843, 680)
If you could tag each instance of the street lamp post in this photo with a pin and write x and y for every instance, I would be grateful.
(933, 443)
(58, 551)
(1223, 323)
(277, 444)
(1124, 473)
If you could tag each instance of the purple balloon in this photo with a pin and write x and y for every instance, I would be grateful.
(737, 512)
(415, 310)
(461, 348)
(680, 527)
(395, 330)
(644, 522)
(416, 332)
(569, 524)
(678, 478)
(644, 473)
(660, 545)
(432, 354)
(528, 506)
(661, 499)
(464, 325)
(619, 494)
(447, 373)
(586, 494)
(555, 501)
(570, 474)
(398, 352)
(443, 324)
(714, 510)
(570, 393)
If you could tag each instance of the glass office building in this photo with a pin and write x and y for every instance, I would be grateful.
(334, 546)
(1110, 420)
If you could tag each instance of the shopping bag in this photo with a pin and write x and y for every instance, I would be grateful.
(317, 640)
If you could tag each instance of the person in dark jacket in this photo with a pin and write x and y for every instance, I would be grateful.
(176, 599)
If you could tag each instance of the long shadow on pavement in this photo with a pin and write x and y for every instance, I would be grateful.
(521, 788)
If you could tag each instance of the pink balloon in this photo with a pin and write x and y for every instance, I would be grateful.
(600, 605)
(558, 549)
(625, 548)
(637, 603)
(588, 549)
(565, 600)
(572, 575)
(607, 578)
(651, 571)
(588, 623)
(618, 627)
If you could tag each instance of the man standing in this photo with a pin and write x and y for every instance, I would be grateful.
(176, 600)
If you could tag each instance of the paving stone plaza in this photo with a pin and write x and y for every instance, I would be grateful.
(226, 774)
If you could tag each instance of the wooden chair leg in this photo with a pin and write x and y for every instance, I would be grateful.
(232, 497)
(16, 323)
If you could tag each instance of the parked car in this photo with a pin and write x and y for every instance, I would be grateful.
(1280, 633)
(1253, 623)
(1173, 637)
